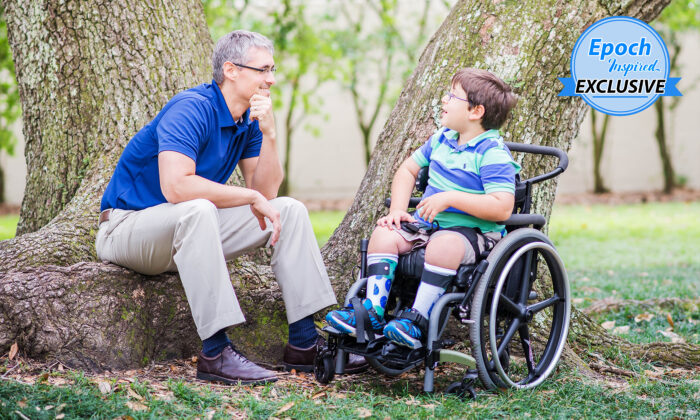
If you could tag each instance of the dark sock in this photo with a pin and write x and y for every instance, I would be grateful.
(215, 344)
(303, 333)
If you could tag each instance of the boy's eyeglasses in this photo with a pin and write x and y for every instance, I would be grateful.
(451, 95)
(260, 70)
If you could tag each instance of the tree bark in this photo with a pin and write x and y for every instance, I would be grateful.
(92, 73)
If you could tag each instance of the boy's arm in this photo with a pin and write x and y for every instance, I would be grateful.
(402, 185)
(494, 207)
(401, 188)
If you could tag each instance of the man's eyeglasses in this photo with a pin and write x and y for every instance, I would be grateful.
(451, 95)
(260, 70)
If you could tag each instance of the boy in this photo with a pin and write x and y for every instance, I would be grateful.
(471, 185)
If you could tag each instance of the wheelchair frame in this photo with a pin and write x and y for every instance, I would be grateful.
(513, 256)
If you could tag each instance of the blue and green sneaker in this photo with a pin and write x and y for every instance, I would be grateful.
(343, 320)
(404, 332)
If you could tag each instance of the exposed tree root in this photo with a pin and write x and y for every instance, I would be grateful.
(98, 315)
(615, 304)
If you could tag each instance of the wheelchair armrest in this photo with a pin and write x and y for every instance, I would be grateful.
(412, 203)
(536, 220)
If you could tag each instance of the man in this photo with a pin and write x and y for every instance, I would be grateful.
(167, 208)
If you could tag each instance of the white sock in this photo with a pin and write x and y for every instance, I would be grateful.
(428, 294)
(378, 286)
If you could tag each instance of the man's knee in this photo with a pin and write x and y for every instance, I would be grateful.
(197, 207)
(197, 214)
(289, 207)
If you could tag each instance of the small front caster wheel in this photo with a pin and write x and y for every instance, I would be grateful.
(324, 367)
(461, 390)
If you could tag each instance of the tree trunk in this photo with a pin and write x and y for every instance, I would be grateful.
(92, 73)
(528, 44)
(598, 145)
(664, 153)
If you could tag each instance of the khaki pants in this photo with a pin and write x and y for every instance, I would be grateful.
(196, 239)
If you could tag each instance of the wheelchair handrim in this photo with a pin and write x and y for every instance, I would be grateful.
(494, 309)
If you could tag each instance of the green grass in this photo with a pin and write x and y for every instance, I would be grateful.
(636, 251)
(631, 252)
(324, 223)
(564, 395)
(8, 226)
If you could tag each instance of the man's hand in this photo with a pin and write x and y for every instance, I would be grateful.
(261, 110)
(431, 206)
(262, 209)
(394, 218)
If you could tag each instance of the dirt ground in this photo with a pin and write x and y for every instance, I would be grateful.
(6, 209)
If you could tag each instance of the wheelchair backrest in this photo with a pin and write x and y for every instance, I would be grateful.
(523, 188)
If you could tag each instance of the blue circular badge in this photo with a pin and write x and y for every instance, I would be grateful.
(619, 66)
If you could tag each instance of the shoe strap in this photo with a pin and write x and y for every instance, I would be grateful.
(414, 316)
(362, 322)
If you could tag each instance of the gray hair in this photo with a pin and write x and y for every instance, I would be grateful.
(234, 48)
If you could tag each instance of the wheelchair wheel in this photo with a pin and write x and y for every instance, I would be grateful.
(523, 262)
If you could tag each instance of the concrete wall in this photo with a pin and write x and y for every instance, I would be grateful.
(331, 165)
(15, 168)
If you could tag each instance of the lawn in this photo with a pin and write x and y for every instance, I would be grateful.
(8, 226)
(643, 252)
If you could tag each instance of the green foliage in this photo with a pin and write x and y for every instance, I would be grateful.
(9, 95)
(380, 43)
(680, 15)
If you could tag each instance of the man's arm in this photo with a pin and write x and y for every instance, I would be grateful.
(179, 183)
(263, 173)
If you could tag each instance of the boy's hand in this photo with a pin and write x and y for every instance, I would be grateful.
(394, 218)
(431, 206)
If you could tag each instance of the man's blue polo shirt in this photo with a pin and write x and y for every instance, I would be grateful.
(196, 123)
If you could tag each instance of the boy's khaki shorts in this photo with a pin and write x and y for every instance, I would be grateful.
(420, 240)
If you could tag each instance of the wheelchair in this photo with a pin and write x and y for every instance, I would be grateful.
(519, 286)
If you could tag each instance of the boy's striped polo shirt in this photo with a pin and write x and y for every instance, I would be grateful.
(483, 165)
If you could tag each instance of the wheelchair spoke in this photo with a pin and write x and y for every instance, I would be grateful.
(525, 281)
(510, 306)
(544, 304)
(515, 324)
(527, 348)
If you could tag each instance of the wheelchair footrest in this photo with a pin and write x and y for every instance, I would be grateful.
(381, 349)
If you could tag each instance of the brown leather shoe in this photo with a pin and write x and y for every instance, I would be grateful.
(231, 367)
(302, 360)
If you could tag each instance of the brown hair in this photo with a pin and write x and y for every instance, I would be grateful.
(485, 88)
